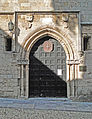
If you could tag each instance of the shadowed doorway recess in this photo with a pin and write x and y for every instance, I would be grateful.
(47, 69)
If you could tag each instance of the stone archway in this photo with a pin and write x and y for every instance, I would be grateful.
(62, 38)
(30, 40)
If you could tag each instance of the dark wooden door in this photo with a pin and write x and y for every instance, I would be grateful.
(47, 74)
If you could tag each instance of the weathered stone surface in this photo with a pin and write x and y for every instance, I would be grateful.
(66, 27)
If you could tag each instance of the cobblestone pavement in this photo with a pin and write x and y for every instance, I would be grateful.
(60, 104)
(44, 108)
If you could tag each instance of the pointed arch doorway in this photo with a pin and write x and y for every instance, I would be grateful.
(47, 69)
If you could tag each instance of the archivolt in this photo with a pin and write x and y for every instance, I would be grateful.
(32, 38)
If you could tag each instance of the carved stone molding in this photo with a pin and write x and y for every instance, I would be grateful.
(22, 61)
(72, 62)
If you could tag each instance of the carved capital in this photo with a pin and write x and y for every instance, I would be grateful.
(72, 62)
(81, 53)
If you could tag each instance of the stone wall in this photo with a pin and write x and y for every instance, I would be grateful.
(35, 5)
(79, 23)
(83, 6)
(8, 69)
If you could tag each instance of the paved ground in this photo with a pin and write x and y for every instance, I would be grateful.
(58, 104)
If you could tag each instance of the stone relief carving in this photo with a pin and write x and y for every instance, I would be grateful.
(28, 21)
(65, 17)
(29, 18)
(63, 20)
(82, 57)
